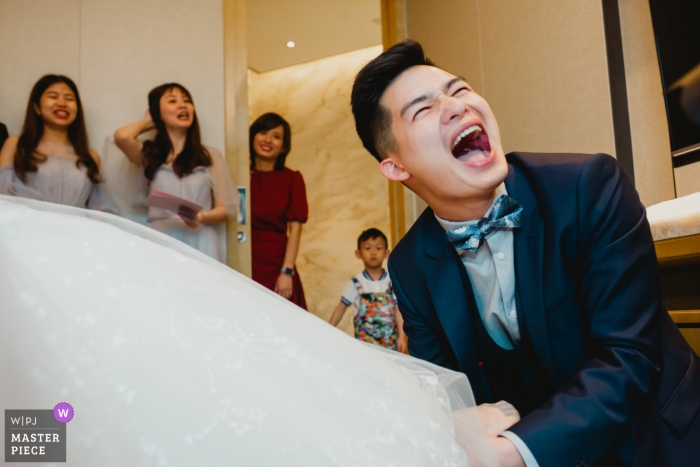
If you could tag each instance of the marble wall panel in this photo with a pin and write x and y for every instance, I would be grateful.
(347, 193)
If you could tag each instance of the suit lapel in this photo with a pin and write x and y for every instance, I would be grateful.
(528, 248)
(449, 294)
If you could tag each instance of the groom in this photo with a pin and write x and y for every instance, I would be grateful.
(533, 274)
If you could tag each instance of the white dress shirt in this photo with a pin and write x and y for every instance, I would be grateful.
(491, 271)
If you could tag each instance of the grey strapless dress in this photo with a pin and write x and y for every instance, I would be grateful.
(57, 180)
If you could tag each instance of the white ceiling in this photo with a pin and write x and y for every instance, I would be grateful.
(320, 28)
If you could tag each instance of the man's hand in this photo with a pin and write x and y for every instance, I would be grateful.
(497, 418)
(506, 452)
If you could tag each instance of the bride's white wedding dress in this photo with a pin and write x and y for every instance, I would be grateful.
(171, 358)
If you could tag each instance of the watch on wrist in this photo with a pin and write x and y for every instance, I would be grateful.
(287, 271)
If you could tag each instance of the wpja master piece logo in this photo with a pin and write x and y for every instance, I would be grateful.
(37, 435)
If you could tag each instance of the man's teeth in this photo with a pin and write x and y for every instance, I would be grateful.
(467, 132)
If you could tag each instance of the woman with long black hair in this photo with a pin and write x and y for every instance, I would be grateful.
(176, 162)
(51, 159)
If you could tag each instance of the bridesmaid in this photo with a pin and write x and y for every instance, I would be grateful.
(278, 207)
(176, 162)
(51, 159)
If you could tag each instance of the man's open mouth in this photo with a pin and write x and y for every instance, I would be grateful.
(471, 144)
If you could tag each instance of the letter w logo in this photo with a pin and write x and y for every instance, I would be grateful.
(62, 413)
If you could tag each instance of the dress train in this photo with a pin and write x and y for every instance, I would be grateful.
(169, 357)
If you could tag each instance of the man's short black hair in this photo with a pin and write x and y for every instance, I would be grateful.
(371, 233)
(372, 121)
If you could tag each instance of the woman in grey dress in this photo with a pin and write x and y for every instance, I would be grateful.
(176, 162)
(51, 160)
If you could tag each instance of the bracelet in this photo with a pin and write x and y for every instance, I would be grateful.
(287, 271)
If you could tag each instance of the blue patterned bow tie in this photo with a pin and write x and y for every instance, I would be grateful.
(505, 214)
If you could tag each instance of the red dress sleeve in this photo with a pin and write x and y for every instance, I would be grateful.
(298, 208)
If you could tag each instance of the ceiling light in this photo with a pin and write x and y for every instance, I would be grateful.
(290, 44)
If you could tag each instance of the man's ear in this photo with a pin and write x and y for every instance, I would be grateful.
(393, 170)
(357, 254)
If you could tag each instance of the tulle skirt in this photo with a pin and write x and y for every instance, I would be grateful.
(169, 357)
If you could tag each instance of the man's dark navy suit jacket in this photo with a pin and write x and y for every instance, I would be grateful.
(586, 274)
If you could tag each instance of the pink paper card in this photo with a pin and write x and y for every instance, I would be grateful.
(163, 200)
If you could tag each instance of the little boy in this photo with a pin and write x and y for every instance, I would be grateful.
(377, 318)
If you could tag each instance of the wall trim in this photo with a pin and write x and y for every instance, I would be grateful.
(394, 31)
(236, 131)
(618, 86)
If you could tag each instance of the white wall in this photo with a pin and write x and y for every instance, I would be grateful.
(115, 51)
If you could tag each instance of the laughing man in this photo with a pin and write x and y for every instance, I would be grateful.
(533, 274)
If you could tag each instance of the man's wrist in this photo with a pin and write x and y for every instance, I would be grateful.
(506, 452)
(527, 456)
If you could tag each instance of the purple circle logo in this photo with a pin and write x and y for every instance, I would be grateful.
(63, 412)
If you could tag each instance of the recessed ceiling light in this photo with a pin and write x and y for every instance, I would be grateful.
(290, 44)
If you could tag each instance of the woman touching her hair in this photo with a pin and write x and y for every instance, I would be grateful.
(176, 162)
(51, 159)
(278, 208)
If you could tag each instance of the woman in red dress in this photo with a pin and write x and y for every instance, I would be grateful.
(278, 208)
